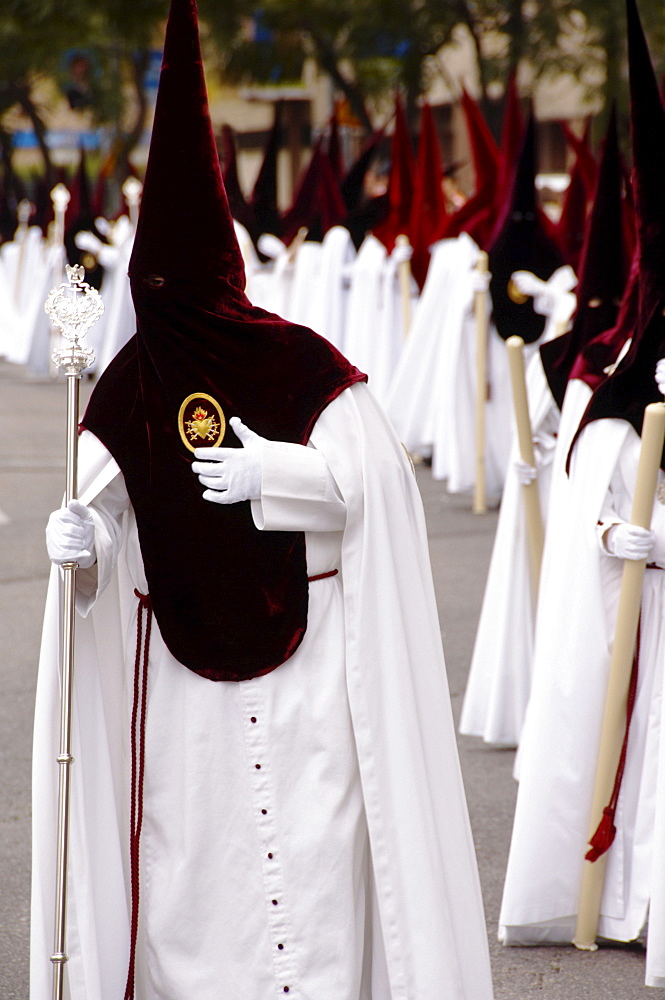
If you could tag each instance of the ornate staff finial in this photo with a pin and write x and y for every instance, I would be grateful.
(132, 190)
(74, 307)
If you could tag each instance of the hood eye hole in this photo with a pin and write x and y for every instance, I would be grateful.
(594, 303)
(154, 281)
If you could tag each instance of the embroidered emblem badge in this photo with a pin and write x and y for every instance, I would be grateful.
(201, 421)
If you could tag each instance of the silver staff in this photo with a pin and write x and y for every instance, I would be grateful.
(73, 307)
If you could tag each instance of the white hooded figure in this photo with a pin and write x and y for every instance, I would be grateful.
(375, 331)
(432, 398)
(118, 323)
(329, 298)
(32, 267)
(9, 318)
(499, 681)
(590, 535)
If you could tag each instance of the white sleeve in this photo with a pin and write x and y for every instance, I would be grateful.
(298, 491)
(617, 503)
(107, 510)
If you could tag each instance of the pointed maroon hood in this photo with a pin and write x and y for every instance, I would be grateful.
(183, 199)
(570, 229)
(602, 274)
(230, 601)
(626, 393)
(238, 206)
(522, 244)
(512, 138)
(428, 211)
(477, 216)
(334, 150)
(263, 201)
(400, 183)
(318, 204)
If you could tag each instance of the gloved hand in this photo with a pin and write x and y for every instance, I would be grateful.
(106, 254)
(660, 376)
(480, 280)
(528, 284)
(552, 297)
(271, 246)
(525, 473)
(70, 535)
(628, 541)
(232, 474)
(401, 253)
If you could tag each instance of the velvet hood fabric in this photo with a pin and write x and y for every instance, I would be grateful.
(627, 392)
(230, 601)
(477, 215)
(428, 209)
(602, 276)
(401, 182)
(521, 244)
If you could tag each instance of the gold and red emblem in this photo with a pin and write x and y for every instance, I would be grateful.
(201, 422)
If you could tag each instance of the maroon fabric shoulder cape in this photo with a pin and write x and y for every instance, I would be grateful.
(230, 600)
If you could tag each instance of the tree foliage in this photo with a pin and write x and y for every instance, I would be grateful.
(368, 47)
(40, 39)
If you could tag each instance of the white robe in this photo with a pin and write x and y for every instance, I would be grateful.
(499, 684)
(375, 318)
(432, 397)
(118, 322)
(329, 295)
(373, 867)
(558, 753)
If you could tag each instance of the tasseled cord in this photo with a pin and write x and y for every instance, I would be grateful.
(605, 833)
(138, 769)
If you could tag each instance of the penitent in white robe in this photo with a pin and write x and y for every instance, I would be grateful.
(558, 753)
(497, 691)
(343, 867)
(431, 400)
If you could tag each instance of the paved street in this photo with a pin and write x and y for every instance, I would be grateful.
(31, 484)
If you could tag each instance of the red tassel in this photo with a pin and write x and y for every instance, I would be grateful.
(604, 836)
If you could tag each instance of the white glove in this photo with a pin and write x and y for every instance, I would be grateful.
(70, 536)
(271, 246)
(528, 284)
(480, 280)
(525, 473)
(660, 376)
(88, 241)
(401, 253)
(232, 474)
(628, 541)
(106, 254)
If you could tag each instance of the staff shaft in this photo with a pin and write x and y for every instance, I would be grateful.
(404, 278)
(480, 311)
(65, 759)
(534, 519)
